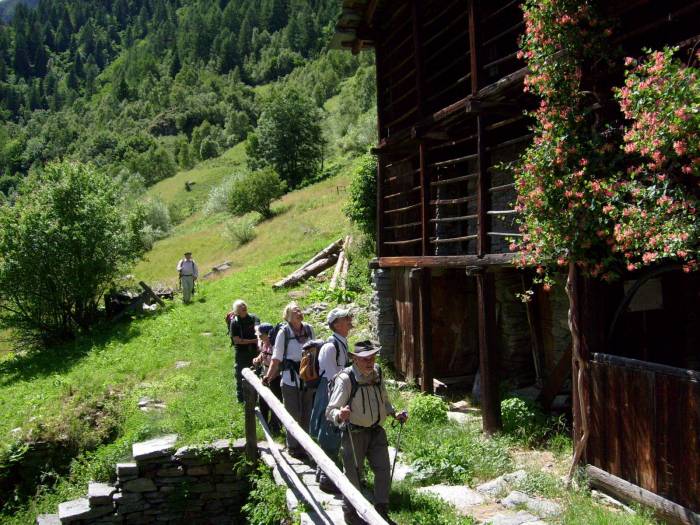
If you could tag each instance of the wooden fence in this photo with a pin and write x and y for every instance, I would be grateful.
(645, 427)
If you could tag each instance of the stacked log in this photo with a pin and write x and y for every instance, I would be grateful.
(318, 263)
(340, 275)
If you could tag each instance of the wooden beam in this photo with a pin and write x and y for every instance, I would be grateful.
(488, 356)
(481, 189)
(449, 261)
(380, 205)
(416, 14)
(151, 293)
(473, 48)
(669, 511)
(251, 439)
(425, 201)
(426, 332)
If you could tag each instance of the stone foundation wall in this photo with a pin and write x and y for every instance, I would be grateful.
(194, 485)
(382, 313)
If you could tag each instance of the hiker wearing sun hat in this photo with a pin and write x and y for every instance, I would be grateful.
(332, 358)
(187, 274)
(359, 403)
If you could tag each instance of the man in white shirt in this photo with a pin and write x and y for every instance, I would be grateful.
(188, 273)
(332, 358)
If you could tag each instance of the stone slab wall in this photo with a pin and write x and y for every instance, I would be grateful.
(382, 313)
(193, 485)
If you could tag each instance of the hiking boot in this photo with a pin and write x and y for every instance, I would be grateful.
(326, 485)
(383, 510)
(297, 453)
(351, 517)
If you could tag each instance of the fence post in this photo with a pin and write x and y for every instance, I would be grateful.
(251, 440)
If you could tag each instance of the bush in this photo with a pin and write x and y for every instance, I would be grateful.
(428, 409)
(157, 216)
(62, 244)
(524, 421)
(254, 192)
(267, 501)
(241, 231)
(361, 208)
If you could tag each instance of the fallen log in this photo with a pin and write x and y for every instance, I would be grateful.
(304, 273)
(334, 247)
(338, 267)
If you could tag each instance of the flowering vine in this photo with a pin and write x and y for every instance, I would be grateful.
(587, 193)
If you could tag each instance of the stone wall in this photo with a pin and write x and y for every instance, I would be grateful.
(382, 313)
(197, 485)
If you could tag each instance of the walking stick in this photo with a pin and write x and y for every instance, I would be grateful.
(396, 454)
(346, 427)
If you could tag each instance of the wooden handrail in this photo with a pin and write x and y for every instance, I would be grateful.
(363, 507)
(287, 468)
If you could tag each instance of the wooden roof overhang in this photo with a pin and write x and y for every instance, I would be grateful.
(353, 30)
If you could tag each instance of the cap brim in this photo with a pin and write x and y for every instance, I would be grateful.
(363, 353)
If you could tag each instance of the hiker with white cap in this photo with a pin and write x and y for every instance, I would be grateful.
(187, 274)
(332, 358)
(359, 403)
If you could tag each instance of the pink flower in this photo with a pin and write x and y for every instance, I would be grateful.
(680, 147)
(631, 267)
(629, 61)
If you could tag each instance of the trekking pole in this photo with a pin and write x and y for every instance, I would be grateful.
(396, 453)
(346, 427)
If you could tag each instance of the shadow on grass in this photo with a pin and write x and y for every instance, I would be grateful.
(42, 361)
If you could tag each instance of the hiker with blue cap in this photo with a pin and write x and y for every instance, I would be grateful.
(263, 361)
(332, 358)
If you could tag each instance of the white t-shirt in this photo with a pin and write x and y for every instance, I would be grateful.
(293, 349)
(327, 363)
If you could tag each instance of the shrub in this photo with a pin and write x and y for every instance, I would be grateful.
(157, 216)
(524, 421)
(361, 208)
(62, 244)
(254, 192)
(241, 231)
(267, 502)
(428, 409)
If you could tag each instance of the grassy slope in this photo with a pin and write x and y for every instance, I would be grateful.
(138, 359)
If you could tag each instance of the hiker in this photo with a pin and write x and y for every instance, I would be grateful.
(332, 358)
(286, 357)
(359, 404)
(263, 361)
(244, 340)
(187, 274)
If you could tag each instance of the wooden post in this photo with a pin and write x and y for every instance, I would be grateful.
(473, 47)
(366, 511)
(481, 189)
(421, 276)
(488, 357)
(416, 14)
(425, 201)
(579, 374)
(251, 439)
(381, 252)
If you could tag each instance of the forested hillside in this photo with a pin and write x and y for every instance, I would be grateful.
(141, 89)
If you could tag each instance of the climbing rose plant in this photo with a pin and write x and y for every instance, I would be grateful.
(655, 212)
(586, 193)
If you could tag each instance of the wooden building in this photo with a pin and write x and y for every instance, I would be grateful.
(450, 109)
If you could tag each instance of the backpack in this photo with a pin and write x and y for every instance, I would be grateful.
(354, 385)
(288, 364)
(275, 331)
(229, 317)
(309, 367)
